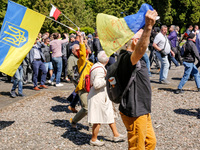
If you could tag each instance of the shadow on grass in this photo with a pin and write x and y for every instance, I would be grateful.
(60, 108)
(152, 81)
(28, 87)
(60, 99)
(189, 112)
(4, 124)
(74, 135)
(176, 79)
(5, 93)
(173, 90)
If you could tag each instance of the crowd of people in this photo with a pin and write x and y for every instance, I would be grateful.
(72, 58)
(167, 49)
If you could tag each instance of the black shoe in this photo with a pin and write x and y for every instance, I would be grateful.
(22, 95)
(178, 91)
(191, 79)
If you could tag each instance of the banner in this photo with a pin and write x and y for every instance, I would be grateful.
(18, 34)
(114, 32)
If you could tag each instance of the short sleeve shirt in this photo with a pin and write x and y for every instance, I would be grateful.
(141, 104)
(160, 40)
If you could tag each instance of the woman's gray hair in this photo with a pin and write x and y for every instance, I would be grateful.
(102, 57)
(74, 46)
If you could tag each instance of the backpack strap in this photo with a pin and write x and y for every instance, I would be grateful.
(138, 67)
(97, 67)
(82, 70)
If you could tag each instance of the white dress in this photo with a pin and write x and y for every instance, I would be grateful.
(100, 108)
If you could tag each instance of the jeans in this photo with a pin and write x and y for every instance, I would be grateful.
(39, 65)
(146, 59)
(164, 66)
(140, 132)
(190, 68)
(171, 58)
(48, 66)
(18, 80)
(57, 66)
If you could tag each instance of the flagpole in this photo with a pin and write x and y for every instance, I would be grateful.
(61, 24)
(69, 20)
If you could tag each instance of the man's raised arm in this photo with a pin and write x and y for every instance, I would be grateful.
(143, 43)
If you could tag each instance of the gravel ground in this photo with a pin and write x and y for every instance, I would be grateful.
(42, 122)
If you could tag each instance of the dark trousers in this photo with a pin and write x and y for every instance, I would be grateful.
(28, 73)
(153, 58)
(39, 65)
(64, 58)
(178, 57)
(172, 59)
(73, 98)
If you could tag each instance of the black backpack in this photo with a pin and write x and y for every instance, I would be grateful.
(114, 89)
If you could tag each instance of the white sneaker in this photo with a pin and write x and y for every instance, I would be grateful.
(50, 82)
(60, 84)
(119, 138)
(96, 143)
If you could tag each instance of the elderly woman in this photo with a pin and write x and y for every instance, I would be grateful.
(100, 108)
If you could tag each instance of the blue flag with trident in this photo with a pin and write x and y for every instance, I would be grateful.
(18, 34)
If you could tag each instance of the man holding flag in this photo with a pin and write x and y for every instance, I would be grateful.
(135, 106)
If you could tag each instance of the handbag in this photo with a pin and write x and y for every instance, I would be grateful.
(162, 52)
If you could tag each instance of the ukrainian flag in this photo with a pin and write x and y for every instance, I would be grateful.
(114, 32)
(18, 34)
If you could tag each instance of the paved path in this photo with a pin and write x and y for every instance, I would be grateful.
(41, 120)
(174, 77)
(5, 87)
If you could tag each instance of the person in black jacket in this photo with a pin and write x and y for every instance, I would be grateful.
(96, 45)
(189, 56)
(135, 107)
(48, 60)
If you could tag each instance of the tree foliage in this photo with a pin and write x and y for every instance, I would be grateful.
(83, 12)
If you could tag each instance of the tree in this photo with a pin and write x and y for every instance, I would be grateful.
(83, 12)
(3, 7)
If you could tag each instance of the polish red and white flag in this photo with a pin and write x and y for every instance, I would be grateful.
(54, 12)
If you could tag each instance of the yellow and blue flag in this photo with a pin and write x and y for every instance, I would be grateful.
(114, 32)
(18, 34)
